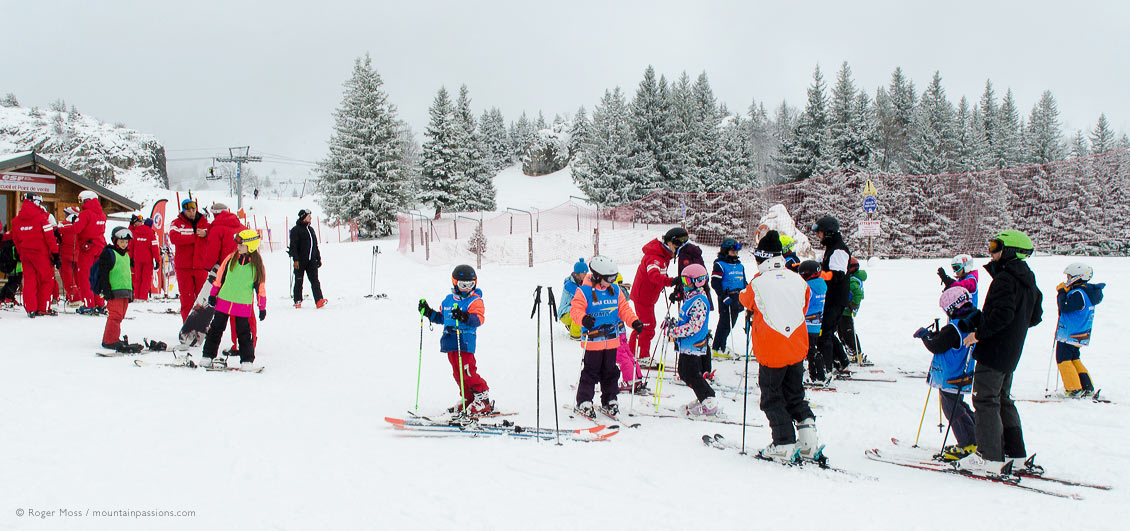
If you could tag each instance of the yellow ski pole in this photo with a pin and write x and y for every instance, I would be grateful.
(928, 391)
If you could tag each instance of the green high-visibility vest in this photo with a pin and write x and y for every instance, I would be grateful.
(121, 276)
(238, 283)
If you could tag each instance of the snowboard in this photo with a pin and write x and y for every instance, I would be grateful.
(194, 329)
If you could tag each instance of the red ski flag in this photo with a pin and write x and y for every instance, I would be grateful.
(158, 217)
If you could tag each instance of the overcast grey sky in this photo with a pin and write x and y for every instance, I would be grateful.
(208, 74)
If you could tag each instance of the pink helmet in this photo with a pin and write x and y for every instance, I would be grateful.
(953, 299)
(695, 276)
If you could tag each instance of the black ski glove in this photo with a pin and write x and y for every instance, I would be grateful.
(424, 309)
(588, 322)
(921, 332)
(675, 281)
(946, 279)
(637, 326)
(460, 315)
(56, 262)
(212, 301)
(262, 314)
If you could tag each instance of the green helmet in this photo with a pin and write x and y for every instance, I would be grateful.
(1019, 242)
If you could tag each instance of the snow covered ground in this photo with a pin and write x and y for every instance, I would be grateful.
(303, 444)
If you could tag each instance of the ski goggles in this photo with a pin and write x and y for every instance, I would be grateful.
(688, 281)
(996, 245)
(187, 205)
(245, 240)
(959, 267)
(465, 285)
(607, 279)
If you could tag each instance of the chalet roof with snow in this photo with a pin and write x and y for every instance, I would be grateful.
(29, 162)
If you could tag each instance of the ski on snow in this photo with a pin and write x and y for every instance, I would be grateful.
(424, 427)
(669, 413)
(1030, 470)
(934, 466)
(1063, 398)
(720, 443)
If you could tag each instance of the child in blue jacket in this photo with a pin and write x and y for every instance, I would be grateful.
(951, 370)
(1076, 299)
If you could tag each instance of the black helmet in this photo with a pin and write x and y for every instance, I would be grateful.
(121, 233)
(827, 225)
(302, 213)
(730, 243)
(463, 274)
(808, 269)
(678, 235)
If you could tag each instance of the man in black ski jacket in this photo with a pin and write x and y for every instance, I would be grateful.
(1012, 305)
(834, 268)
(304, 251)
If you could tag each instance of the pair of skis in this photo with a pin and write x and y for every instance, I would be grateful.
(470, 427)
(904, 456)
(719, 442)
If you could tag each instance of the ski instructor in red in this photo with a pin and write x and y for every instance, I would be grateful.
(90, 236)
(650, 280)
(188, 233)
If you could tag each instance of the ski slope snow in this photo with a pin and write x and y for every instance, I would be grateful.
(303, 444)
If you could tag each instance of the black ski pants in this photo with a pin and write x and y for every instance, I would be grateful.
(242, 332)
(830, 349)
(782, 400)
(816, 371)
(691, 367)
(997, 421)
(310, 269)
(727, 316)
(959, 416)
(848, 345)
(10, 287)
(599, 366)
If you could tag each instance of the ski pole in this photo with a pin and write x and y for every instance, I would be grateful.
(745, 385)
(1050, 363)
(928, 391)
(420, 362)
(659, 386)
(939, 412)
(552, 363)
(459, 352)
(537, 394)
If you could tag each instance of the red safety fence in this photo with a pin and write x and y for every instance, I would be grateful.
(1075, 206)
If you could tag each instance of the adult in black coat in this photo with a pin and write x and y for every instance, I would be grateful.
(1012, 305)
(834, 268)
(303, 251)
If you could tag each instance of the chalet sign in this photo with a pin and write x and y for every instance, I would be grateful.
(27, 182)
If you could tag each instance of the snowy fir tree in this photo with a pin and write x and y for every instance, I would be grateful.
(706, 138)
(477, 187)
(477, 244)
(650, 117)
(762, 142)
(933, 146)
(1044, 138)
(972, 147)
(804, 155)
(522, 134)
(441, 178)
(365, 176)
(1005, 139)
(895, 109)
(1078, 146)
(9, 100)
(578, 131)
(496, 142)
(850, 130)
(1102, 136)
(735, 171)
(611, 168)
(540, 123)
(680, 136)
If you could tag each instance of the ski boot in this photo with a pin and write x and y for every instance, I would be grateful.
(808, 443)
(585, 408)
(782, 453)
(611, 409)
(481, 404)
(706, 408)
(298, 304)
(955, 453)
(321, 303)
(205, 362)
(1024, 466)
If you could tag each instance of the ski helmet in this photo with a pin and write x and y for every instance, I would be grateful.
(1018, 242)
(953, 299)
(787, 243)
(603, 268)
(464, 279)
(961, 263)
(730, 244)
(1078, 271)
(809, 269)
(676, 235)
(136, 219)
(827, 225)
(121, 233)
(188, 203)
(248, 237)
(302, 213)
(694, 276)
(33, 197)
(87, 195)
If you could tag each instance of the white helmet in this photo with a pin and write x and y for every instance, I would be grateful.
(87, 195)
(603, 266)
(1078, 271)
(961, 263)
